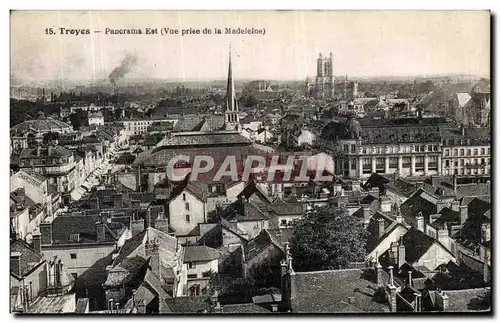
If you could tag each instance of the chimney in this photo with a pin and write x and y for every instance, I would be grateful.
(274, 307)
(420, 222)
(59, 272)
(37, 242)
(152, 251)
(418, 302)
(419, 185)
(46, 232)
(385, 204)
(136, 226)
(356, 185)
(101, 231)
(378, 273)
(381, 227)
(351, 300)
(485, 232)
(401, 253)
(455, 183)
(367, 213)
(392, 292)
(464, 213)
(441, 300)
(443, 236)
(391, 275)
(455, 206)
(409, 278)
(161, 224)
(15, 263)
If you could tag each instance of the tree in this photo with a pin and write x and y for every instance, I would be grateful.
(327, 238)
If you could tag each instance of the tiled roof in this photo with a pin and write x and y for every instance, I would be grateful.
(29, 257)
(200, 253)
(248, 308)
(199, 189)
(42, 124)
(462, 300)
(241, 210)
(188, 304)
(321, 291)
(281, 236)
(55, 151)
(198, 140)
(85, 225)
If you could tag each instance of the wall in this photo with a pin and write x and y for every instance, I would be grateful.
(38, 278)
(435, 256)
(86, 255)
(177, 213)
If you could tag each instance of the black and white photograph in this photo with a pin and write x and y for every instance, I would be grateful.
(231, 162)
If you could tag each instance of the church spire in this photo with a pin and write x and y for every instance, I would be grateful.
(231, 102)
(231, 119)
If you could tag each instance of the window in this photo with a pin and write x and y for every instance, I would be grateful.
(367, 165)
(393, 162)
(74, 237)
(186, 206)
(475, 152)
(432, 163)
(353, 164)
(462, 152)
(456, 164)
(447, 163)
(183, 196)
(482, 161)
(75, 275)
(406, 162)
(346, 148)
(482, 151)
(283, 222)
(192, 275)
(188, 218)
(72, 255)
(468, 152)
(353, 148)
(455, 152)
(419, 163)
(191, 265)
(446, 152)
(206, 274)
(364, 150)
(380, 165)
(461, 162)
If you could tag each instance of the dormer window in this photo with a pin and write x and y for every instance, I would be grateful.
(74, 237)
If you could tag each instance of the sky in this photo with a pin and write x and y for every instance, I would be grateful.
(363, 43)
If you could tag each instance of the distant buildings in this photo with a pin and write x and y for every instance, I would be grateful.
(324, 85)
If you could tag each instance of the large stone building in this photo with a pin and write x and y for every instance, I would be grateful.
(404, 148)
(325, 81)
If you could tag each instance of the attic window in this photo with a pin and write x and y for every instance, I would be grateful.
(183, 196)
(74, 237)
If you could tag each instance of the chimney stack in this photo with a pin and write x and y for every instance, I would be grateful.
(443, 236)
(409, 278)
(15, 263)
(485, 232)
(401, 253)
(441, 300)
(101, 231)
(385, 204)
(455, 206)
(464, 213)
(420, 222)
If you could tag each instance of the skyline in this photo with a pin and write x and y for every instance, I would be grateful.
(379, 43)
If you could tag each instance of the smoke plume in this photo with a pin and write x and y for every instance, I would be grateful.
(126, 65)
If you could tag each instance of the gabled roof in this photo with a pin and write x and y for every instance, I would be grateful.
(198, 189)
(416, 244)
(242, 210)
(258, 244)
(462, 98)
(420, 202)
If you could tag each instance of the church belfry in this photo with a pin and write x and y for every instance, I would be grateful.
(231, 115)
(325, 80)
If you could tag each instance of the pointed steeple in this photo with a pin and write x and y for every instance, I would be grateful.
(231, 119)
(231, 102)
